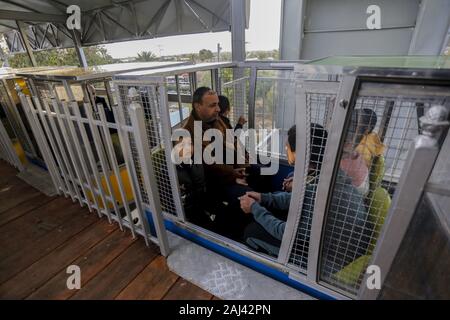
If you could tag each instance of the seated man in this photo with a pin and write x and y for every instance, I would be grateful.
(224, 182)
(267, 232)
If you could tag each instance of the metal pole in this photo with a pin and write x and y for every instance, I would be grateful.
(26, 43)
(137, 117)
(79, 49)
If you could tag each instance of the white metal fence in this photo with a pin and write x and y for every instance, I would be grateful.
(83, 153)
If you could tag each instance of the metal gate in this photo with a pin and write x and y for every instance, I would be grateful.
(83, 153)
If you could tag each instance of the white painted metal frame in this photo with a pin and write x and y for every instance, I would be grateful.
(62, 135)
(418, 167)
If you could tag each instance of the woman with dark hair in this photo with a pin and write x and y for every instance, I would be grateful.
(224, 105)
(369, 143)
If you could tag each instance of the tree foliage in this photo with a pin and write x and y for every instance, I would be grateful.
(144, 56)
(95, 55)
(205, 55)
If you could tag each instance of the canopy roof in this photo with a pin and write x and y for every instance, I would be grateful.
(106, 21)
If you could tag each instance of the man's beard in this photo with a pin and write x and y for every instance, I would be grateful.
(212, 120)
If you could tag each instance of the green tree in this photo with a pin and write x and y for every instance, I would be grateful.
(95, 55)
(146, 56)
(205, 55)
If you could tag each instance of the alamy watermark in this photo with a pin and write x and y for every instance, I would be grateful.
(74, 280)
(74, 19)
(374, 279)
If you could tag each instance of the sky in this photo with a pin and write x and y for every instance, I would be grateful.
(262, 34)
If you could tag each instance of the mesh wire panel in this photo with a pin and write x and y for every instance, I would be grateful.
(237, 91)
(318, 105)
(275, 107)
(150, 101)
(4, 100)
(377, 140)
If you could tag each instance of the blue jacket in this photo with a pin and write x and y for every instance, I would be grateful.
(347, 210)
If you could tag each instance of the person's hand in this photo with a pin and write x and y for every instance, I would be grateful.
(246, 203)
(240, 172)
(241, 181)
(242, 120)
(287, 184)
(254, 195)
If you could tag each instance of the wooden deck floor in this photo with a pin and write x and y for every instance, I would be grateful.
(41, 236)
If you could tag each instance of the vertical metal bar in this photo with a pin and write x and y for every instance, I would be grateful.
(180, 104)
(54, 148)
(103, 163)
(78, 48)
(109, 93)
(193, 82)
(137, 119)
(73, 155)
(41, 141)
(79, 151)
(419, 164)
(126, 150)
(238, 22)
(252, 97)
(298, 191)
(65, 161)
(166, 135)
(328, 173)
(26, 42)
(92, 162)
(113, 161)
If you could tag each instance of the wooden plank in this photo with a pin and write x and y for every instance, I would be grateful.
(91, 263)
(184, 290)
(35, 224)
(27, 281)
(152, 283)
(111, 281)
(13, 194)
(23, 208)
(7, 172)
(215, 298)
(15, 263)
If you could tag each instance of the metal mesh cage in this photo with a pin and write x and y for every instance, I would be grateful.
(237, 92)
(150, 101)
(275, 107)
(318, 108)
(381, 129)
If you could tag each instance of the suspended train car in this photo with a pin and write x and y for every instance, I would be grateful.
(386, 124)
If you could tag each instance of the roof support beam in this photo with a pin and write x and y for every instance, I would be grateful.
(79, 50)
(238, 30)
(431, 27)
(31, 16)
(26, 43)
(158, 15)
(291, 30)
